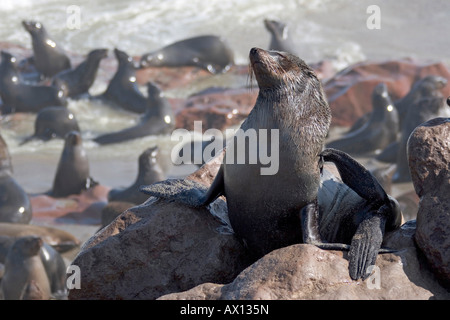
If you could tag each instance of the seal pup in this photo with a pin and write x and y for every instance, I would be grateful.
(53, 123)
(21, 97)
(49, 58)
(149, 172)
(76, 82)
(378, 132)
(15, 205)
(280, 40)
(123, 90)
(158, 119)
(207, 52)
(23, 265)
(72, 174)
(271, 211)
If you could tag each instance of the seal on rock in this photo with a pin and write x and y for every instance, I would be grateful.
(149, 172)
(269, 211)
(76, 82)
(378, 132)
(49, 58)
(21, 97)
(123, 90)
(158, 119)
(208, 52)
(280, 40)
(53, 123)
(72, 175)
(23, 265)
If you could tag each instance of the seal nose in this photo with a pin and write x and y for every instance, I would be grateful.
(254, 51)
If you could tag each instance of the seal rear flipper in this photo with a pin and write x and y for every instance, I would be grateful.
(356, 176)
(186, 191)
(365, 246)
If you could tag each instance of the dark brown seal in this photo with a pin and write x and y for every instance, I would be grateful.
(72, 174)
(269, 211)
(49, 58)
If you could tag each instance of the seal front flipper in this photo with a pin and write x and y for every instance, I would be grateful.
(186, 191)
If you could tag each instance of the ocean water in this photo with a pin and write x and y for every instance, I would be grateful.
(321, 29)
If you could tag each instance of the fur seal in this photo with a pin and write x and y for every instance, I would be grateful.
(208, 52)
(15, 205)
(271, 211)
(149, 172)
(418, 112)
(280, 40)
(76, 82)
(428, 88)
(53, 262)
(72, 174)
(20, 97)
(23, 265)
(157, 119)
(49, 58)
(53, 123)
(378, 132)
(123, 90)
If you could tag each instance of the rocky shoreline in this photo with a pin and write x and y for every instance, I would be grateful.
(162, 250)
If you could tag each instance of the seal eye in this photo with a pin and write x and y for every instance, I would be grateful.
(38, 25)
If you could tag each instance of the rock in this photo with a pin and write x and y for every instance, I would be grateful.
(306, 272)
(429, 163)
(83, 208)
(157, 248)
(349, 91)
(112, 210)
(218, 110)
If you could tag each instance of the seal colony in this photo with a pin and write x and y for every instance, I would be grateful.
(268, 212)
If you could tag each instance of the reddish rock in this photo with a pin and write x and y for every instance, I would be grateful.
(349, 91)
(84, 208)
(218, 110)
(429, 163)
